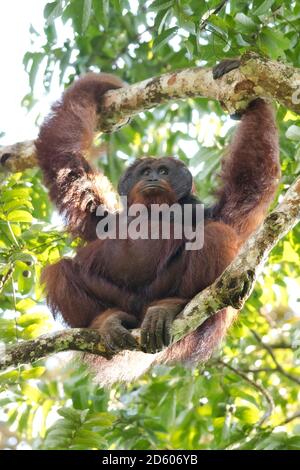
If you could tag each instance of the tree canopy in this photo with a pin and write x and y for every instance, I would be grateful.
(247, 396)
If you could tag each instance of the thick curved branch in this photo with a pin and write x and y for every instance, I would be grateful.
(235, 284)
(75, 339)
(231, 289)
(256, 76)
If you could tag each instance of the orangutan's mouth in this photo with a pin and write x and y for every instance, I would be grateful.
(153, 186)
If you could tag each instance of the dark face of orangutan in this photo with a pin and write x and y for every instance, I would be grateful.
(151, 179)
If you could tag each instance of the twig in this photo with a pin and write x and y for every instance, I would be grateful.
(6, 277)
(278, 367)
(209, 13)
(289, 419)
(259, 370)
(262, 390)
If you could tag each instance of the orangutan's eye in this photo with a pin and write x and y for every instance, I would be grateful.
(146, 172)
(163, 170)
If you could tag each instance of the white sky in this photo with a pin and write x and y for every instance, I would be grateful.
(15, 19)
(15, 40)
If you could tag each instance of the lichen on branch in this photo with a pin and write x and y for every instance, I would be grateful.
(257, 76)
(231, 289)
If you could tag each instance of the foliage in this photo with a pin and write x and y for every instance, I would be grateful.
(51, 405)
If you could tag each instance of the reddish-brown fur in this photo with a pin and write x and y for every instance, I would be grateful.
(108, 276)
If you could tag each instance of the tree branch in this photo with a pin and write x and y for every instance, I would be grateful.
(278, 368)
(268, 397)
(290, 419)
(235, 285)
(256, 76)
(75, 339)
(231, 289)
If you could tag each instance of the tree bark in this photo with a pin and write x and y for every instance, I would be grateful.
(255, 77)
(231, 289)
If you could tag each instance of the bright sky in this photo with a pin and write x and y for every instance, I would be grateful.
(16, 16)
(15, 19)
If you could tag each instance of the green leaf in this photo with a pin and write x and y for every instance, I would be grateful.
(53, 10)
(87, 12)
(164, 38)
(289, 254)
(24, 257)
(19, 216)
(17, 204)
(248, 415)
(158, 5)
(101, 9)
(10, 376)
(293, 443)
(264, 7)
(190, 49)
(70, 414)
(245, 23)
(25, 304)
(16, 193)
(161, 20)
(33, 373)
(100, 420)
(273, 42)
